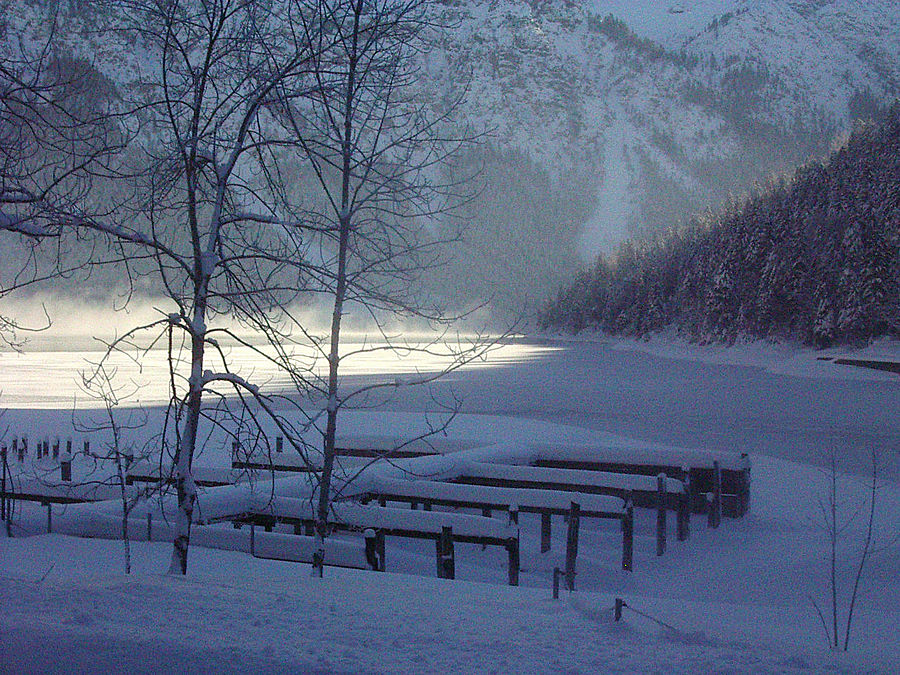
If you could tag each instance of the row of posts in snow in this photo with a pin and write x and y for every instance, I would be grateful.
(18, 447)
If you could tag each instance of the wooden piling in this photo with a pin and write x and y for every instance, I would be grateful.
(683, 522)
(572, 544)
(446, 564)
(545, 532)
(3, 483)
(661, 520)
(279, 444)
(618, 611)
(715, 509)
(380, 549)
(512, 551)
(371, 551)
(628, 536)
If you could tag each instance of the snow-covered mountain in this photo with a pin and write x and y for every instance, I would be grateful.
(671, 105)
(687, 98)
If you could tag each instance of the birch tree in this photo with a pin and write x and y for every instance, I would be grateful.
(377, 144)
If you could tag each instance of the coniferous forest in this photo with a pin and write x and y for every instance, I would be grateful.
(814, 258)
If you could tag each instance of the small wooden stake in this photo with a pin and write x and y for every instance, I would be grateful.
(545, 532)
(149, 526)
(619, 604)
(715, 510)
(628, 536)
(661, 498)
(446, 565)
(556, 575)
(683, 522)
(572, 544)
(512, 550)
(279, 444)
(49, 517)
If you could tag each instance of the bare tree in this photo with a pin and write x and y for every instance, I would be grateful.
(377, 145)
(59, 135)
(834, 510)
(206, 221)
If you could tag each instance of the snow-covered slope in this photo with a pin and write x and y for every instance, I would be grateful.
(672, 104)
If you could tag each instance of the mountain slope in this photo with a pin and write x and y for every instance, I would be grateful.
(815, 259)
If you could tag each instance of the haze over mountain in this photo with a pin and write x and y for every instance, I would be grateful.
(610, 119)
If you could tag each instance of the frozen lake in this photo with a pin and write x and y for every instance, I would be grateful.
(667, 399)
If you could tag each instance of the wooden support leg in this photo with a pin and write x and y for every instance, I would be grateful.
(371, 549)
(379, 549)
(572, 545)
(628, 536)
(684, 517)
(715, 510)
(661, 498)
(446, 565)
(512, 550)
(545, 532)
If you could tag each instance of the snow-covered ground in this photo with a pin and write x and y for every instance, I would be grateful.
(740, 598)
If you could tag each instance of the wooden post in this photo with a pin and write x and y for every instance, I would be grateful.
(572, 544)
(371, 552)
(149, 526)
(65, 468)
(379, 549)
(556, 574)
(298, 528)
(24, 448)
(56, 449)
(3, 483)
(512, 551)
(486, 512)
(253, 539)
(279, 444)
(683, 523)
(309, 529)
(715, 509)
(426, 506)
(49, 517)
(17, 450)
(744, 487)
(268, 524)
(446, 565)
(413, 505)
(513, 514)
(619, 604)
(545, 532)
(87, 447)
(628, 535)
(382, 501)
(661, 498)
(235, 451)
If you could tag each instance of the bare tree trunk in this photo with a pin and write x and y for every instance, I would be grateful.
(340, 291)
(865, 552)
(185, 487)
